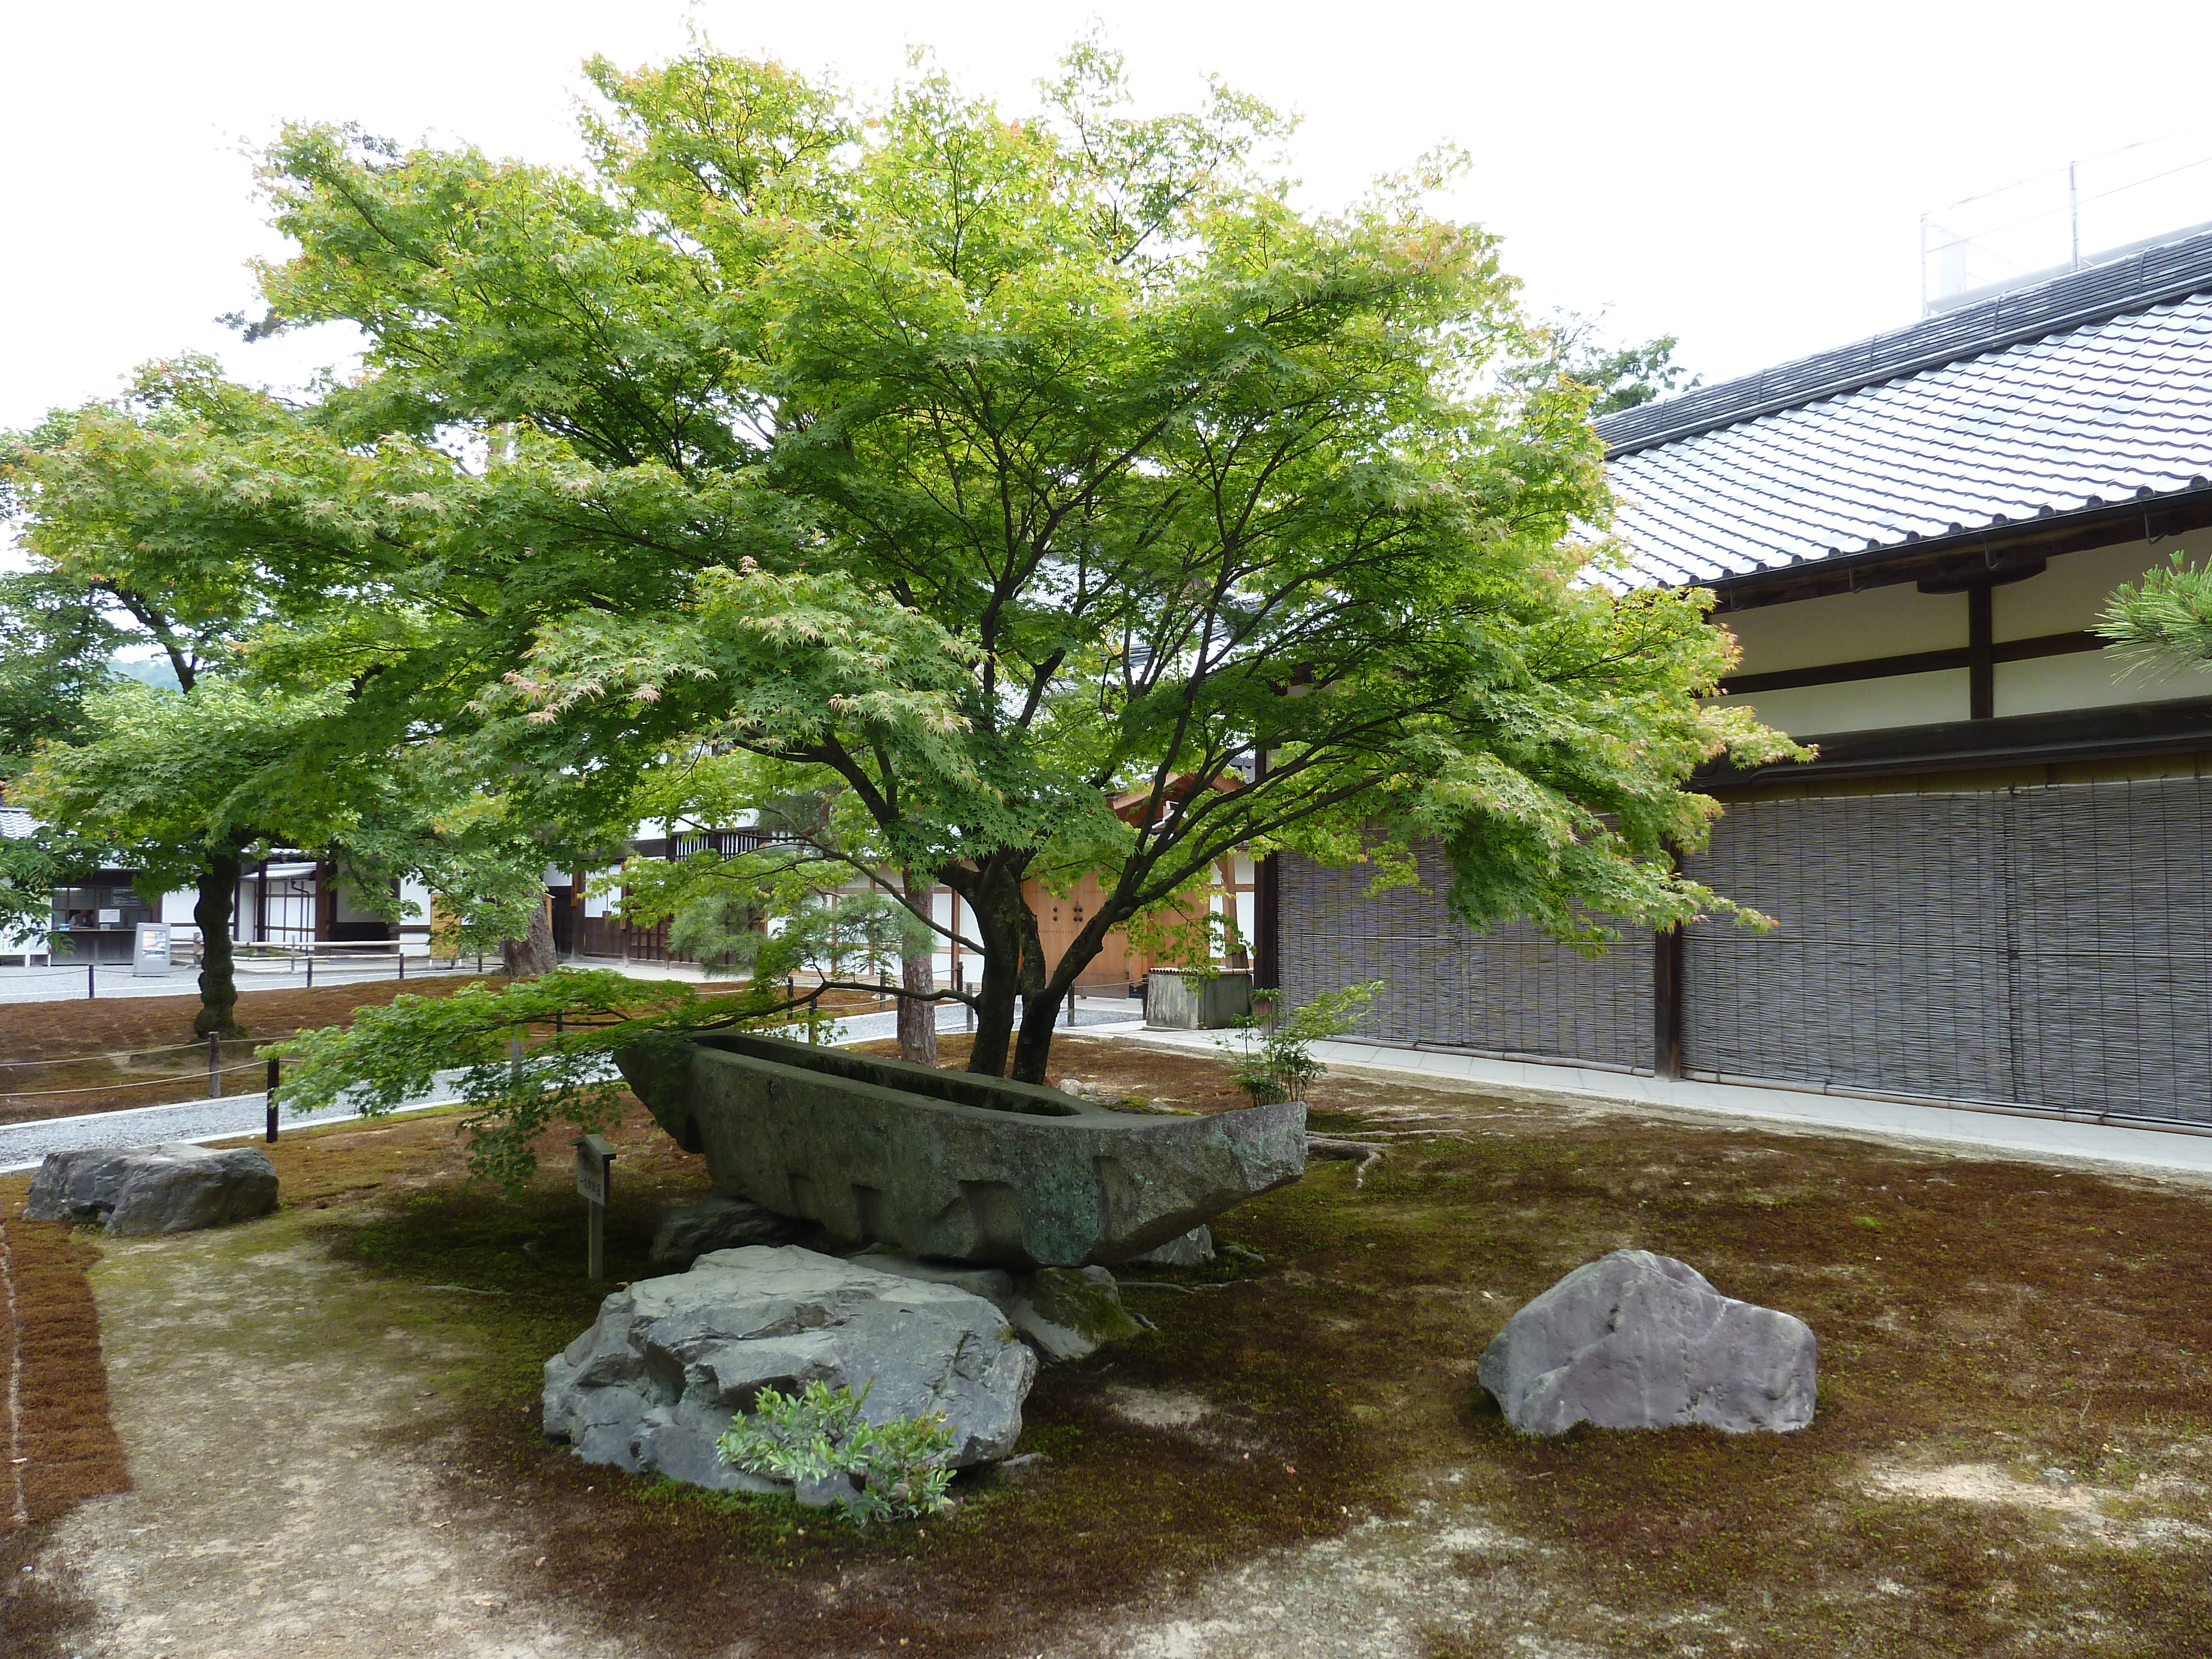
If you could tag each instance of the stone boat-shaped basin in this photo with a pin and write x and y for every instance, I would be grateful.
(950, 1163)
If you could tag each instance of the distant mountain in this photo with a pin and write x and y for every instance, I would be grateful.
(150, 670)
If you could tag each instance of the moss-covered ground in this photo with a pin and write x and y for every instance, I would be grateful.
(2013, 1453)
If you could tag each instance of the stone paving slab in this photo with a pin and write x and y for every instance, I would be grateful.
(2018, 1134)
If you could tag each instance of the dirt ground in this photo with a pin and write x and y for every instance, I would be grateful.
(331, 1422)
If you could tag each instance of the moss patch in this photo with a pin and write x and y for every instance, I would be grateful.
(2046, 1323)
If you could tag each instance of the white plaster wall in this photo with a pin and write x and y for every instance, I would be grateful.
(2088, 679)
(349, 907)
(595, 904)
(1883, 622)
(1812, 711)
(2072, 592)
(415, 923)
(2067, 597)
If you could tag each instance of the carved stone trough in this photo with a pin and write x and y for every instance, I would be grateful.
(952, 1164)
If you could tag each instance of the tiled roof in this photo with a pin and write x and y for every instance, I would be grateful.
(16, 824)
(2086, 414)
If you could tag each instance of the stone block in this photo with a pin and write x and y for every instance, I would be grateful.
(688, 1231)
(1178, 1000)
(952, 1166)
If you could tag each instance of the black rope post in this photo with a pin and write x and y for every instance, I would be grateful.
(311, 968)
(399, 955)
(215, 1067)
(272, 1100)
(90, 990)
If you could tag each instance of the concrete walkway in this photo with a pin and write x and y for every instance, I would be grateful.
(2013, 1134)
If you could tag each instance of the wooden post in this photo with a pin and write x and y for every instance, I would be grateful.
(272, 1101)
(1981, 654)
(1667, 1004)
(1266, 923)
(595, 1173)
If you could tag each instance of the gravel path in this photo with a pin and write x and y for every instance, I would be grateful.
(23, 1144)
(115, 979)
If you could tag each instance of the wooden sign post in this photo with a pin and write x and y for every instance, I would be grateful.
(595, 1180)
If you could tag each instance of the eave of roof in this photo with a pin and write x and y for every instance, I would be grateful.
(1922, 558)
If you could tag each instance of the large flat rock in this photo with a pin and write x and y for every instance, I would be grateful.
(1636, 1340)
(671, 1361)
(171, 1189)
(949, 1165)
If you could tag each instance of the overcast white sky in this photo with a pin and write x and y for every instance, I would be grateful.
(1749, 176)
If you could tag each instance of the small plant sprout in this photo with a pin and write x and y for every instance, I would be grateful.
(895, 1469)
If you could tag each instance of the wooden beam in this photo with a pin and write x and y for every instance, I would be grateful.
(1910, 662)
(2181, 727)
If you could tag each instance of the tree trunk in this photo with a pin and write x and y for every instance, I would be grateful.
(1033, 1048)
(999, 910)
(218, 889)
(917, 1014)
(994, 1012)
(528, 957)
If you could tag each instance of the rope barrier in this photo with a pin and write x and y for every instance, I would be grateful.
(138, 1082)
(197, 1047)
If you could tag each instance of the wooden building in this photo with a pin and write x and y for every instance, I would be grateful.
(1995, 885)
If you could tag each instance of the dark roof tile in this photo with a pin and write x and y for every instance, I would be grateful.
(2112, 409)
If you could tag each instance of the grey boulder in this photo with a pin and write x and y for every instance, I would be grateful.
(1636, 1340)
(1193, 1249)
(170, 1189)
(689, 1231)
(671, 1361)
(994, 1285)
(1070, 1313)
(1064, 1312)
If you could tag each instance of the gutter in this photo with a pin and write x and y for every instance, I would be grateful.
(2149, 518)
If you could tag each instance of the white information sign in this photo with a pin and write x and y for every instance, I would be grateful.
(151, 951)
(111, 918)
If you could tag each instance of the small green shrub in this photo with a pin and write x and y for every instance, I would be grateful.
(896, 1469)
(1275, 1062)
